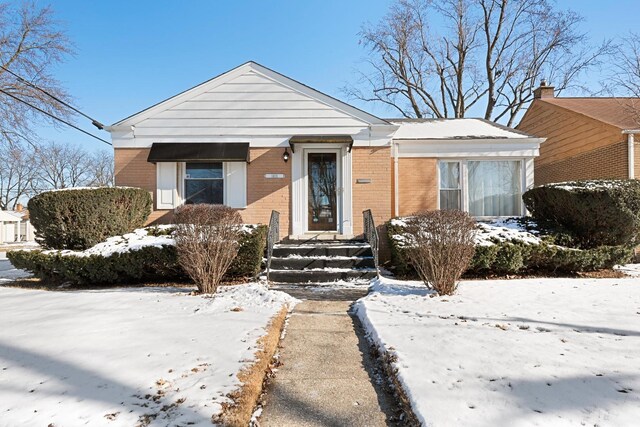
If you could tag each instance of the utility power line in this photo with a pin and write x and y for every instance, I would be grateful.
(54, 117)
(25, 81)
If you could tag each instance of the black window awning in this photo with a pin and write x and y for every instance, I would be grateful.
(199, 152)
(320, 139)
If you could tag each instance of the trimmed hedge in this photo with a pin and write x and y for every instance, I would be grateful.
(148, 264)
(78, 219)
(145, 265)
(504, 258)
(596, 213)
(249, 259)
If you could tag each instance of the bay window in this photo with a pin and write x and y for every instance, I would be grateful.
(484, 188)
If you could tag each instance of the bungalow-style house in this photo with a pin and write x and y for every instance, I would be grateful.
(586, 138)
(259, 141)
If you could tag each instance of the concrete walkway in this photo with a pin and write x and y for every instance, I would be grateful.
(327, 377)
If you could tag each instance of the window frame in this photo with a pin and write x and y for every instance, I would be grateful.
(183, 179)
(464, 180)
(460, 182)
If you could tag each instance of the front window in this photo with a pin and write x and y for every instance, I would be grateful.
(204, 183)
(450, 188)
(481, 187)
(494, 188)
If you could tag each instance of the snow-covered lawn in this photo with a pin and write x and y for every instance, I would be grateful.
(110, 357)
(8, 272)
(524, 352)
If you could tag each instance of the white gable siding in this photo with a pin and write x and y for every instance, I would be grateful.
(250, 107)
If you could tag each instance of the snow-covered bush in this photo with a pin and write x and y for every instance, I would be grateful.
(144, 255)
(79, 218)
(207, 241)
(440, 246)
(596, 213)
(513, 246)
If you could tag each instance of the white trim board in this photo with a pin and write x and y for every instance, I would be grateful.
(521, 147)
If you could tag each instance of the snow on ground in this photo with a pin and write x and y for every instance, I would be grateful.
(8, 272)
(525, 352)
(632, 270)
(489, 232)
(108, 357)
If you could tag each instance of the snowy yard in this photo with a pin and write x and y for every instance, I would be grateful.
(8, 272)
(110, 357)
(525, 352)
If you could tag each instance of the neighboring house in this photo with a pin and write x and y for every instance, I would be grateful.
(586, 138)
(258, 141)
(15, 226)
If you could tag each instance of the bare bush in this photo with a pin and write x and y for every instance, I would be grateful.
(441, 246)
(207, 241)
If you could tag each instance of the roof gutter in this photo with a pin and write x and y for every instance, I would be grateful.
(631, 150)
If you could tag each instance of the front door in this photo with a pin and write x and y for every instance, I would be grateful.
(322, 192)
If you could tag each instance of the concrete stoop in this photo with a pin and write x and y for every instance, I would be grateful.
(322, 262)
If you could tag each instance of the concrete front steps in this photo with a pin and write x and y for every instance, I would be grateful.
(305, 262)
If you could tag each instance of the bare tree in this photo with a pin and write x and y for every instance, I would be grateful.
(31, 43)
(17, 173)
(62, 165)
(441, 58)
(624, 78)
(101, 169)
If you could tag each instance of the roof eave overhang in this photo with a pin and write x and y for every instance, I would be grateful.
(471, 140)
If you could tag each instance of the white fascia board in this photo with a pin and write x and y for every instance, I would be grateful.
(520, 147)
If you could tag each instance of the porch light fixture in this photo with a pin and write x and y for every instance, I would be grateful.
(285, 155)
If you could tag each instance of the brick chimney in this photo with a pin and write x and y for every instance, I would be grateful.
(543, 91)
(19, 207)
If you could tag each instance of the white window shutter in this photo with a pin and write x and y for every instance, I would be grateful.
(235, 182)
(166, 185)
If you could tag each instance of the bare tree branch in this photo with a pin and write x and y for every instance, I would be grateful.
(441, 58)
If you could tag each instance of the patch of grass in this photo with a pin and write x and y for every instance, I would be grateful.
(238, 414)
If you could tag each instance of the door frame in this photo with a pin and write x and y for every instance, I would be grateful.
(300, 189)
(339, 187)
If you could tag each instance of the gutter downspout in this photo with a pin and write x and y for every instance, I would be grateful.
(396, 174)
(631, 150)
(630, 143)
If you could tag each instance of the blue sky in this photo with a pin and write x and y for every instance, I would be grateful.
(131, 54)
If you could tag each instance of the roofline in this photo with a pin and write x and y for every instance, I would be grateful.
(119, 122)
(258, 66)
(577, 112)
(480, 139)
(489, 122)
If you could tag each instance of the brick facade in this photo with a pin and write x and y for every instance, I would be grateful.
(606, 162)
(417, 184)
(133, 170)
(373, 164)
(265, 195)
(417, 189)
(577, 147)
